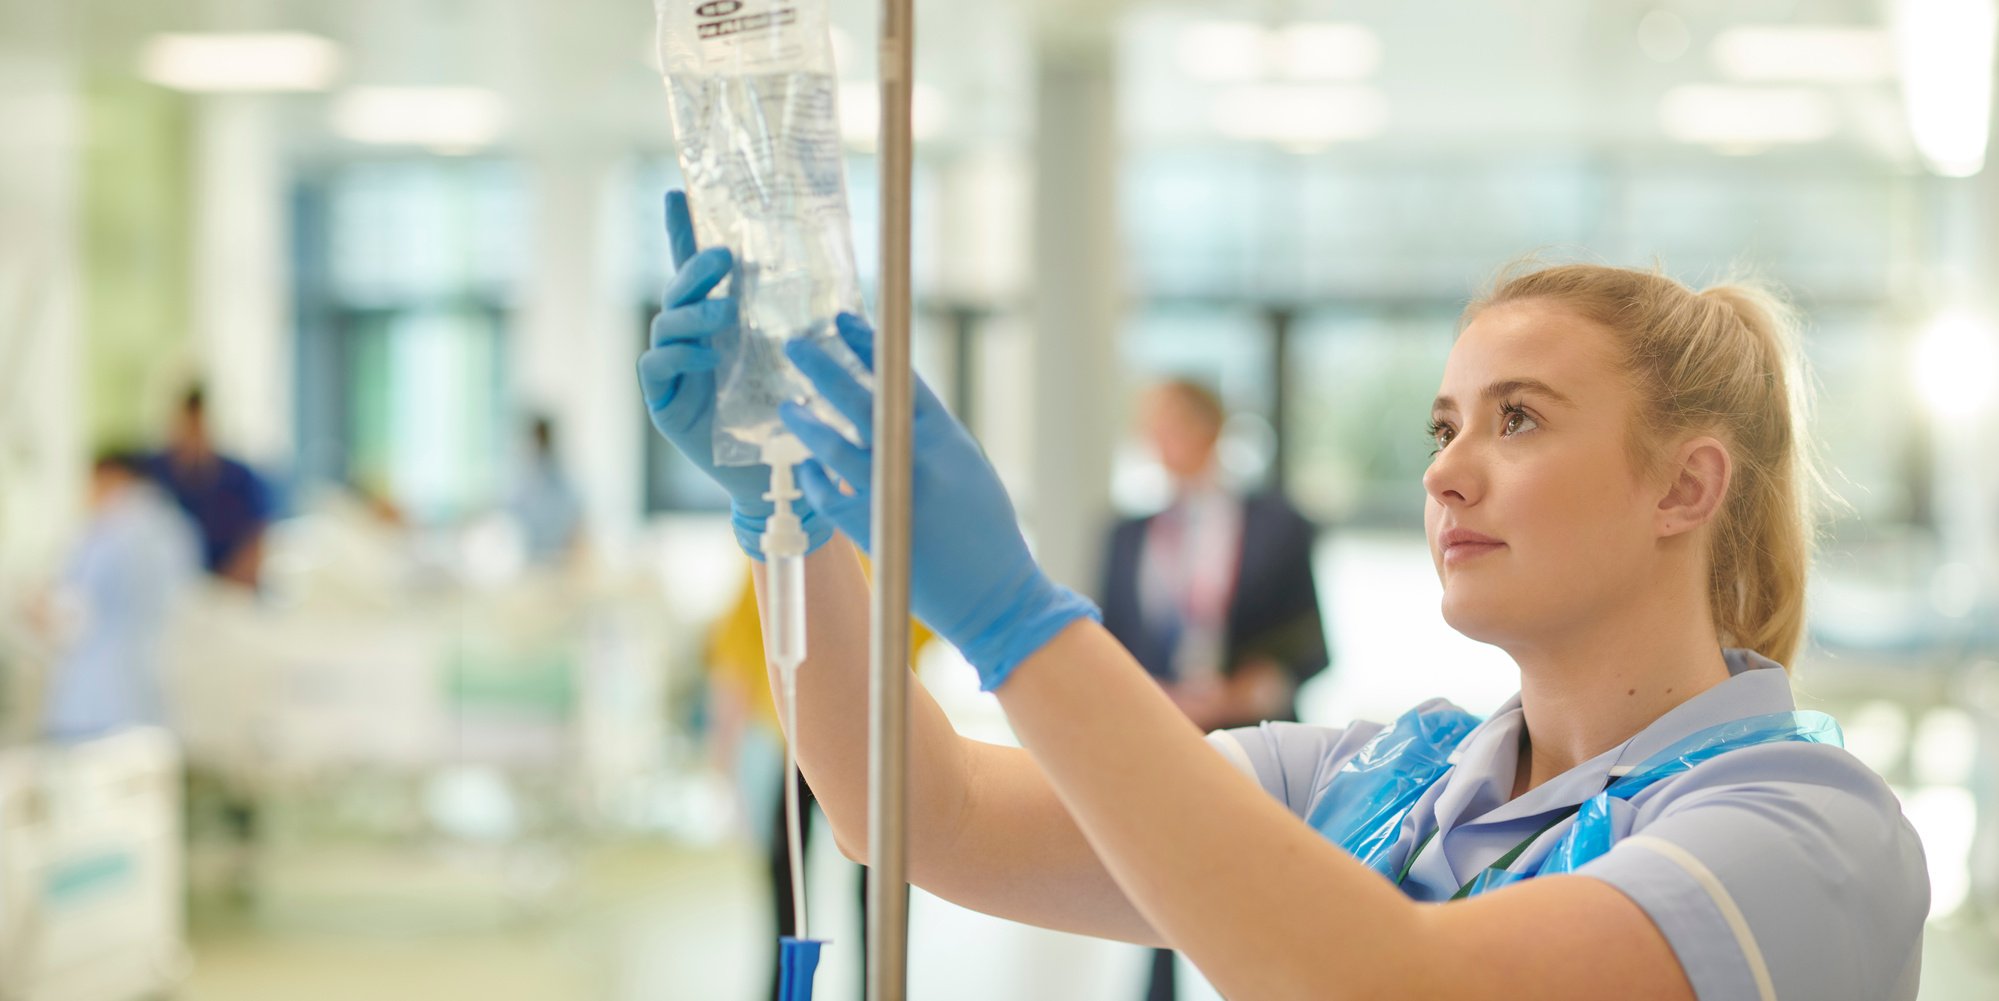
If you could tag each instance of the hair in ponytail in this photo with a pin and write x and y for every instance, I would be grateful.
(1723, 361)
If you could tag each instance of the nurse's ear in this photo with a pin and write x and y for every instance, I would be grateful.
(1697, 480)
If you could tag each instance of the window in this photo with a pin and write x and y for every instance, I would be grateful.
(405, 274)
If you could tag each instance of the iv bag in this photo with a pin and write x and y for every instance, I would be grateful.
(756, 119)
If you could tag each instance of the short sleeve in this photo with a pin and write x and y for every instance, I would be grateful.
(1780, 871)
(1293, 762)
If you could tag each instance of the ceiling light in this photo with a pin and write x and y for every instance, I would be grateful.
(1299, 116)
(1746, 117)
(1765, 54)
(450, 119)
(1327, 52)
(252, 62)
(1954, 361)
(1243, 52)
(1223, 51)
(1946, 55)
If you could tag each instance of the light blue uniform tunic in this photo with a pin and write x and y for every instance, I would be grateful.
(136, 558)
(1782, 870)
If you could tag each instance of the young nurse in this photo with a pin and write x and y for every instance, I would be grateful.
(1617, 500)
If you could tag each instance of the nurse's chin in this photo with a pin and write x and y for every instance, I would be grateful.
(1483, 618)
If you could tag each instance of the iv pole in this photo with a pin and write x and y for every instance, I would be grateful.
(888, 703)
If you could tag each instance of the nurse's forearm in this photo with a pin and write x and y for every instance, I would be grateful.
(1262, 903)
(985, 829)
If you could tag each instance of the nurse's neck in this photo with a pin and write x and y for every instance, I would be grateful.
(1598, 688)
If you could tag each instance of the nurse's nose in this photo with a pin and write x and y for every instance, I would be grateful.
(1453, 479)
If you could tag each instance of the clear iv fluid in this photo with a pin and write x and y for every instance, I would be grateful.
(787, 604)
(762, 160)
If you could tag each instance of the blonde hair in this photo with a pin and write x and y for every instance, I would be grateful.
(1723, 361)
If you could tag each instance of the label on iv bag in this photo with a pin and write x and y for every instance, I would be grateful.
(756, 121)
(733, 37)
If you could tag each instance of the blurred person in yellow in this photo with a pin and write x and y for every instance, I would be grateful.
(741, 698)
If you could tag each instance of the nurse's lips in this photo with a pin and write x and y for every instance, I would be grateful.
(1461, 544)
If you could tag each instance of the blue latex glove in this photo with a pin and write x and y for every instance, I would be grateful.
(677, 377)
(971, 576)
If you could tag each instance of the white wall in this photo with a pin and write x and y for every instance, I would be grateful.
(1078, 304)
(41, 405)
(241, 270)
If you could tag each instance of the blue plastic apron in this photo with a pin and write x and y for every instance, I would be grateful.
(1367, 803)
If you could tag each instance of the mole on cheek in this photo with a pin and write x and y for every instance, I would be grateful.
(1632, 692)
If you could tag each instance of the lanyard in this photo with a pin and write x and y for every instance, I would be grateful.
(1504, 860)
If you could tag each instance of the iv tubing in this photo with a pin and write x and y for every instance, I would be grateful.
(794, 821)
(783, 545)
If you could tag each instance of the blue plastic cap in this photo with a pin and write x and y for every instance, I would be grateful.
(797, 962)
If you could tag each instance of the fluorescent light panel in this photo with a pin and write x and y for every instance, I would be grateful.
(446, 118)
(1746, 116)
(241, 62)
(1804, 54)
(1222, 51)
(1299, 115)
(1327, 52)
(1946, 49)
(1243, 52)
(1954, 364)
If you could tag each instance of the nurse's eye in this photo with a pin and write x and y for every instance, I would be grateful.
(1441, 435)
(1514, 419)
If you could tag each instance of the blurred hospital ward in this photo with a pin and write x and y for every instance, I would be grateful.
(372, 625)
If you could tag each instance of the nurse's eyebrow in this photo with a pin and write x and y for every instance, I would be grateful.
(1504, 388)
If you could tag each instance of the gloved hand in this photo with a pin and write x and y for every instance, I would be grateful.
(971, 577)
(677, 377)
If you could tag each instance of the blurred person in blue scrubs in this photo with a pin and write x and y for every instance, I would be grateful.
(544, 500)
(230, 504)
(135, 562)
(231, 507)
(1214, 596)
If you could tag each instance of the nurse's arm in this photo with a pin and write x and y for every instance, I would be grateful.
(985, 829)
(1264, 904)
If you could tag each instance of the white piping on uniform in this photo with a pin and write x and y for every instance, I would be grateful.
(1233, 750)
(1744, 937)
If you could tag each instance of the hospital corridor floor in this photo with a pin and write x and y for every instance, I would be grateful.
(652, 921)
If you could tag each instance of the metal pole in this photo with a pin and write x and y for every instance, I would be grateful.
(1282, 320)
(888, 705)
(964, 377)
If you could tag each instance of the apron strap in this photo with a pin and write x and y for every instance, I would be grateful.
(1504, 860)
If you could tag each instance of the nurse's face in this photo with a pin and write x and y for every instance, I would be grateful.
(1538, 522)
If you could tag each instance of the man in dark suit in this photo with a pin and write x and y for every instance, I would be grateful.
(1214, 595)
